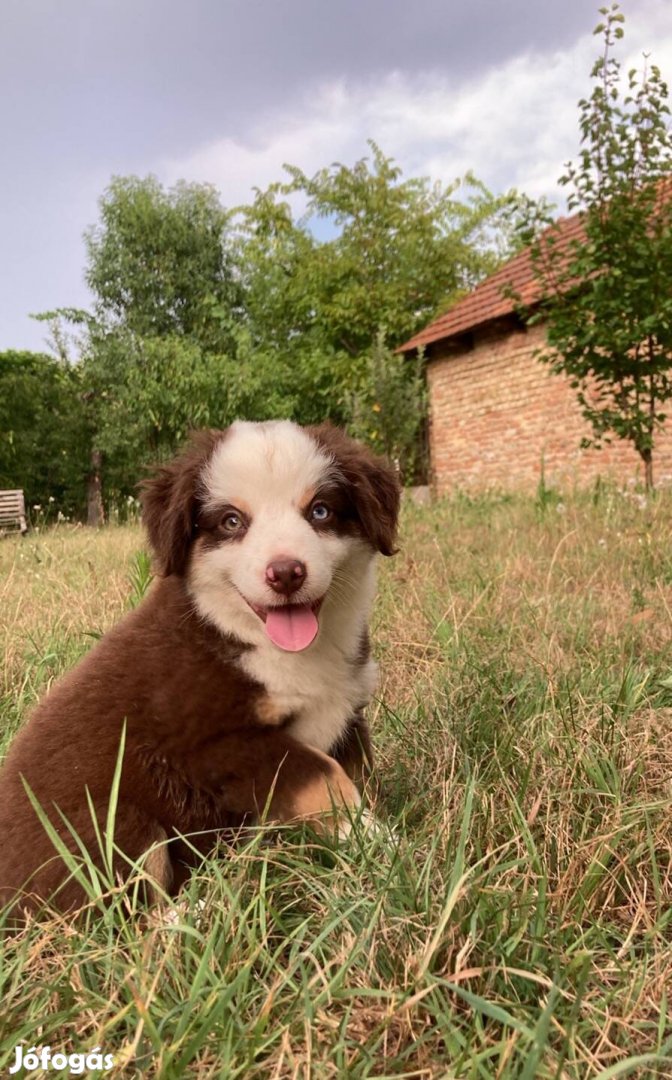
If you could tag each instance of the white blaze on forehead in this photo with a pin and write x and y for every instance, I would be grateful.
(265, 463)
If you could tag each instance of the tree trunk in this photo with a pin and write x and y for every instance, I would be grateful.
(95, 515)
(647, 458)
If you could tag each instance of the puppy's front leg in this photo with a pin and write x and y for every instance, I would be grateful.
(256, 770)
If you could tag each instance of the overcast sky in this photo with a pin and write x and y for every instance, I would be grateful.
(226, 91)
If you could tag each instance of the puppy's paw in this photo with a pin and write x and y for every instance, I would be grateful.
(327, 795)
(365, 821)
(178, 913)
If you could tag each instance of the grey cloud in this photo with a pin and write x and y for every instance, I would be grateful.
(164, 72)
(94, 87)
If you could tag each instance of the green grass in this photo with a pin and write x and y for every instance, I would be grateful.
(516, 920)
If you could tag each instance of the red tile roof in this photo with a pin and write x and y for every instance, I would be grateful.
(488, 301)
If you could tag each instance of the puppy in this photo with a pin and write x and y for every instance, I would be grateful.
(240, 679)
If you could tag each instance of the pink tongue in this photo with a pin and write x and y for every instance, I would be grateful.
(292, 628)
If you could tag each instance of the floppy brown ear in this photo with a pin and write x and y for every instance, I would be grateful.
(373, 483)
(170, 501)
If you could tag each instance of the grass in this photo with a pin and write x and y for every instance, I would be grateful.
(516, 921)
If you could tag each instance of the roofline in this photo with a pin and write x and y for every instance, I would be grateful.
(503, 271)
(411, 346)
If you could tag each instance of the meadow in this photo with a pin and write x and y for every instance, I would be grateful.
(512, 917)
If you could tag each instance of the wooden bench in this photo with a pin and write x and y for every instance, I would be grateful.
(13, 512)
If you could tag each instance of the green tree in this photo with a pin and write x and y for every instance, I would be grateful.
(393, 252)
(390, 409)
(43, 433)
(159, 263)
(399, 250)
(607, 299)
(196, 322)
(155, 347)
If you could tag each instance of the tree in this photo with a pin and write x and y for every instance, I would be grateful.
(84, 397)
(153, 349)
(43, 434)
(396, 251)
(196, 322)
(389, 411)
(159, 263)
(607, 299)
(403, 247)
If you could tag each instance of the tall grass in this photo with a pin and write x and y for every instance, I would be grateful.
(513, 918)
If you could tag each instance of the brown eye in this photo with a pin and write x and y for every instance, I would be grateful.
(231, 522)
(320, 512)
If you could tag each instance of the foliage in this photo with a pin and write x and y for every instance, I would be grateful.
(43, 436)
(201, 315)
(389, 411)
(154, 350)
(158, 263)
(607, 301)
(524, 221)
(149, 392)
(399, 250)
(371, 257)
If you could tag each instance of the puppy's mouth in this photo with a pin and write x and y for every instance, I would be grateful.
(292, 627)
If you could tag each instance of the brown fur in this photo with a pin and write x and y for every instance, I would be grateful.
(372, 485)
(170, 502)
(204, 749)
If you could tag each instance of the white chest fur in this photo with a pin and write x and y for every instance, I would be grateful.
(321, 687)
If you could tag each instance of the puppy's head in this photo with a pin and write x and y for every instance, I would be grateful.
(268, 522)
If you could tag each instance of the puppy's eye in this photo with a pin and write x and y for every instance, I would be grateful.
(231, 522)
(319, 511)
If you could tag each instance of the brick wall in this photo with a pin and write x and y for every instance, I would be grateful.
(496, 411)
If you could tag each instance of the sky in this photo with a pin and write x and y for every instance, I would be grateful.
(227, 91)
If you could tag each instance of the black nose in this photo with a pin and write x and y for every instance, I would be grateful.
(285, 576)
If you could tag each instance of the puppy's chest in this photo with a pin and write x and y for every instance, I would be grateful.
(319, 693)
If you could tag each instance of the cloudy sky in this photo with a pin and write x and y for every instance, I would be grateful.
(226, 91)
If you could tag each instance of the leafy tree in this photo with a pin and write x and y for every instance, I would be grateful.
(389, 411)
(607, 299)
(165, 305)
(43, 434)
(158, 261)
(320, 310)
(195, 322)
(400, 250)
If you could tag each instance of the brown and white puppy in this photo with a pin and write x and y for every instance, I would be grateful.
(241, 678)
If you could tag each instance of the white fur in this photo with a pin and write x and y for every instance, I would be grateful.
(269, 471)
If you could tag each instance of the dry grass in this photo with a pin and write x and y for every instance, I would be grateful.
(518, 921)
(59, 590)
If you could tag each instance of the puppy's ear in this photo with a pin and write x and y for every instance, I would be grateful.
(372, 482)
(377, 493)
(170, 502)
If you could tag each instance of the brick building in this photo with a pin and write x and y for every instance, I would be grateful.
(496, 412)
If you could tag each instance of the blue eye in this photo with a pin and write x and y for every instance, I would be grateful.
(319, 511)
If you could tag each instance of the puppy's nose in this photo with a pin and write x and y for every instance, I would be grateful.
(285, 576)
